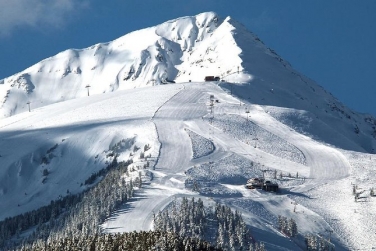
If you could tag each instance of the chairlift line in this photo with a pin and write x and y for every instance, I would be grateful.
(247, 112)
(28, 103)
(87, 87)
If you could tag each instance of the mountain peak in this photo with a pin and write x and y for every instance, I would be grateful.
(182, 49)
(185, 49)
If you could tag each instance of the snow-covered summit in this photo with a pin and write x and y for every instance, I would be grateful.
(142, 58)
(182, 50)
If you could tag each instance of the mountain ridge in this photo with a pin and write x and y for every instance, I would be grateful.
(180, 50)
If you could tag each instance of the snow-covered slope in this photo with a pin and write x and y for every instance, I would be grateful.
(267, 116)
(145, 57)
(182, 50)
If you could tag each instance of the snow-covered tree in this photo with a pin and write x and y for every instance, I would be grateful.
(292, 228)
(192, 218)
(288, 227)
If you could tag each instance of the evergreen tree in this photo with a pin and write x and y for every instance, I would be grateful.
(292, 228)
(191, 218)
(220, 237)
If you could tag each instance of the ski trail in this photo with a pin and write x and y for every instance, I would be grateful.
(185, 109)
(175, 156)
(325, 162)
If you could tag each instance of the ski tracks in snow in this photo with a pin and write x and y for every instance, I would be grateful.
(325, 162)
(185, 109)
(174, 157)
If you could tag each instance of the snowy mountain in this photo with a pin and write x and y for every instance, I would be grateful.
(265, 118)
(182, 50)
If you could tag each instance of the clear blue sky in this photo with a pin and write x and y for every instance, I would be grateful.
(332, 42)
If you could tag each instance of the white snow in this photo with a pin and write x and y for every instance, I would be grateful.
(300, 128)
(201, 146)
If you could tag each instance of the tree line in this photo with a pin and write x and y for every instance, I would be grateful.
(219, 225)
(135, 241)
(72, 215)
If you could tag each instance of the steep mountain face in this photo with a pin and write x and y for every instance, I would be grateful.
(143, 58)
(183, 50)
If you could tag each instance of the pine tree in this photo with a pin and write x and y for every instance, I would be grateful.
(322, 244)
(311, 242)
(281, 223)
(292, 227)
(220, 237)
(139, 180)
(232, 240)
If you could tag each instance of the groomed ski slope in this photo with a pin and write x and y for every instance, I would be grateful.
(83, 131)
(188, 109)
